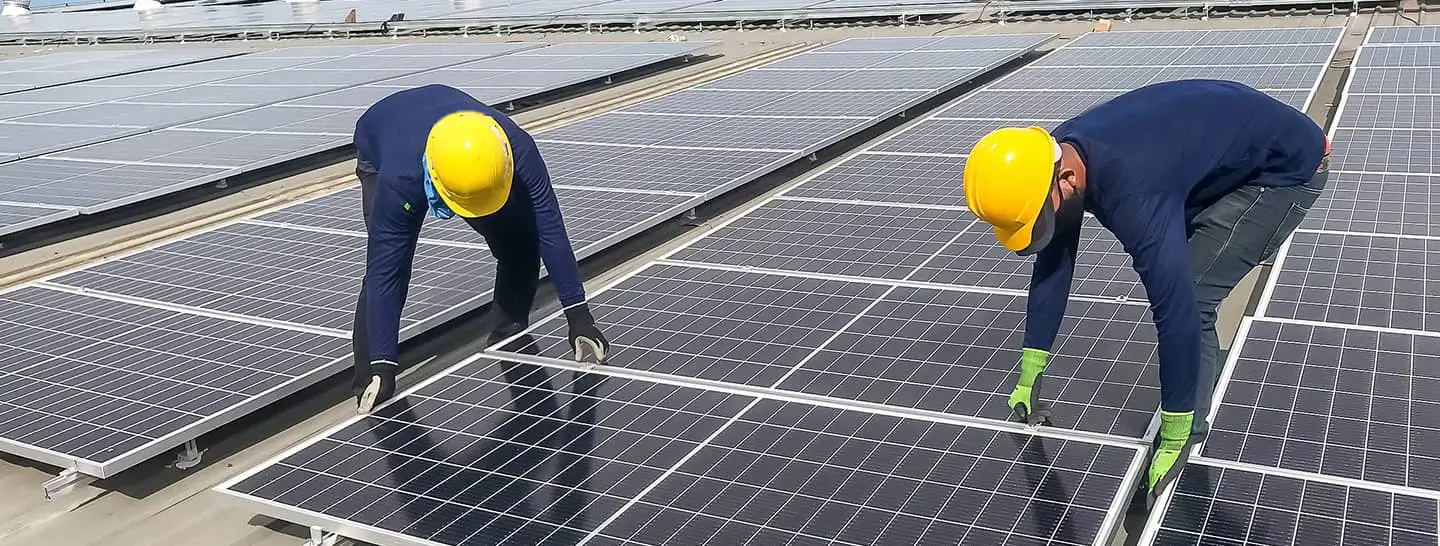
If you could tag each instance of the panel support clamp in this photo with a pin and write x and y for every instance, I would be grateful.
(318, 537)
(66, 482)
(189, 456)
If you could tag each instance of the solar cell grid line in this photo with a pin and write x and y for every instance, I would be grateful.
(77, 392)
(1216, 503)
(1330, 400)
(1380, 281)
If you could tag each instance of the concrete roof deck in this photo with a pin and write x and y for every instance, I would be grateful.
(156, 505)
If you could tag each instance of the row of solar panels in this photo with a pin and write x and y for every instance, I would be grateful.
(830, 366)
(90, 147)
(326, 16)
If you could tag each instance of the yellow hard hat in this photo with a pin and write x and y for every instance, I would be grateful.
(1008, 178)
(470, 163)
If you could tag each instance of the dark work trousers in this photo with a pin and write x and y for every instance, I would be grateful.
(1227, 240)
(512, 237)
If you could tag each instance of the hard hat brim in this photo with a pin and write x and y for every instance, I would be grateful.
(484, 204)
(1032, 237)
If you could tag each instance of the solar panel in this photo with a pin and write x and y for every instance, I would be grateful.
(16, 217)
(1403, 35)
(1215, 504)
(1357, 279)
(1363, 403)
(44, 133)
(591, 216)
(1386, 204)
(92, 186)
(541, 458)
(791, 473)
(76, 66)
(946, 351)
(1412, 56)
(98, 385)
(901, 179)
(1383, 151)
(972, 258)
(839, 238)
(1394, 80)
(286, 275)
(952, 137)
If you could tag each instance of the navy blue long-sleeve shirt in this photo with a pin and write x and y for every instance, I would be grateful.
(390, 138)
(1155, 157)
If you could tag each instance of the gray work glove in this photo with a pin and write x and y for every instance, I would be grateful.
(585, 336)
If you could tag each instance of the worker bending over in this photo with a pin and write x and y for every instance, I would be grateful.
(1200, 180)
(437, 149)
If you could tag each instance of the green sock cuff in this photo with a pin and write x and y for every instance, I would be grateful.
(1176, 425)
(1032, 364)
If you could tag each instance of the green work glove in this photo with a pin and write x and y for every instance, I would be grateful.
(1025, 399)
(1174, 441)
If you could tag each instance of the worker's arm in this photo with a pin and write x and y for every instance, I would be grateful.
(1153, 233)
(1049, 291)
(559, 257)
(389, 253)
(1050, 280)
(555, 249)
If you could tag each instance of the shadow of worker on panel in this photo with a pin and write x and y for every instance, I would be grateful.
(505, 461)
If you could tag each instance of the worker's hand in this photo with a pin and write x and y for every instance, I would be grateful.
(1171, 452)
(378, 387)
(584, 335)
(1025, 401)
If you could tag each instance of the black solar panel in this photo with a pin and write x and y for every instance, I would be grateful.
(1220, 505)
(1358, 279)
(835, 238)
(103, 384)
(1331, 400)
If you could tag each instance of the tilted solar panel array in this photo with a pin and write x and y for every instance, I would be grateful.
(1330, 405)
(43, 71)
(113, 142)
(864, 301)
(106, 366)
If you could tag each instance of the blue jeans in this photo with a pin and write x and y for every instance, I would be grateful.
(1227, 240)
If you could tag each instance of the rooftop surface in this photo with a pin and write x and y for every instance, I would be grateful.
(156, 505)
